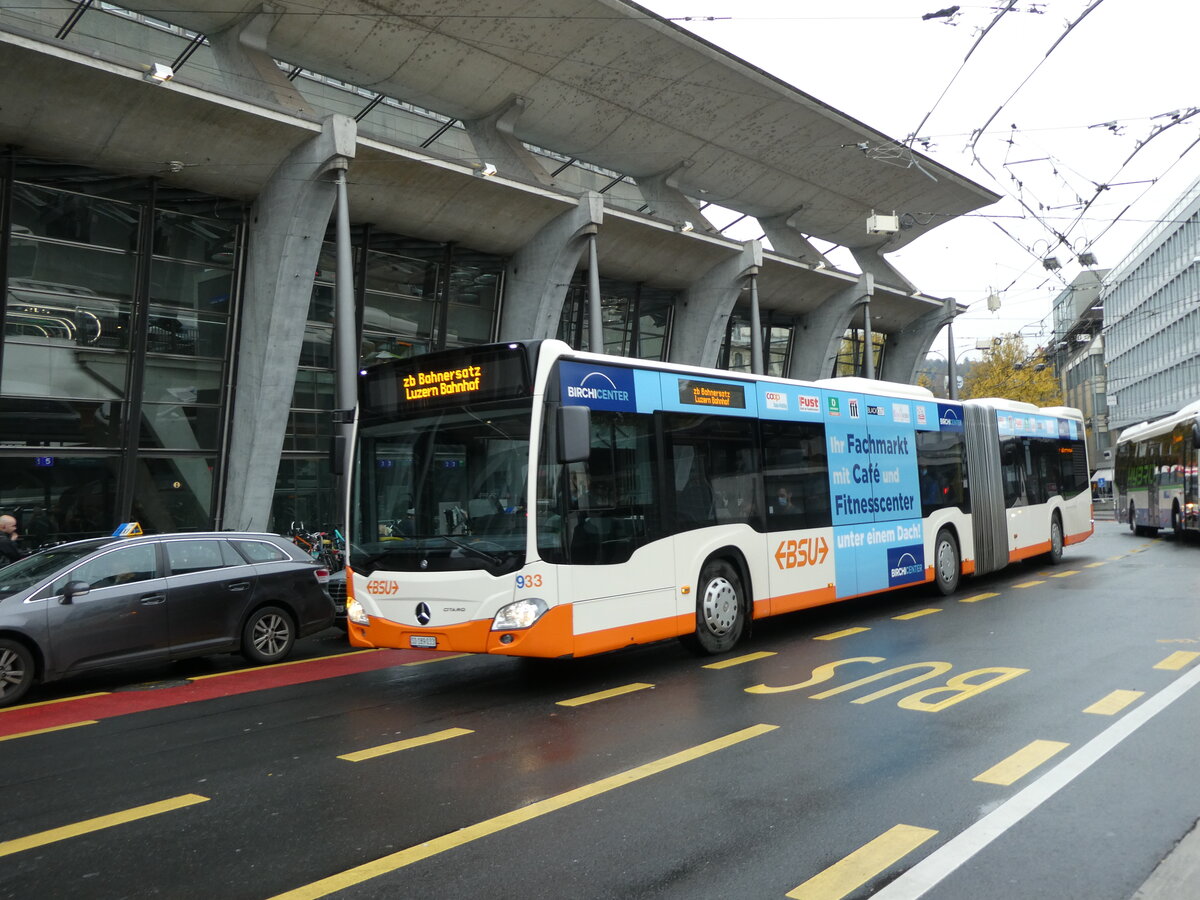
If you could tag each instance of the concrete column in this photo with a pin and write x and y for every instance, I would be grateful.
(539, 274)
(287, 225)
(818, 336)
(665, 200)
(904, 351)
(786, 238)
(871, 260)
(247, 65)
(703, 311)
(496, 142)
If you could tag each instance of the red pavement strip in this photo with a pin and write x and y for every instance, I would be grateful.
(90, 708)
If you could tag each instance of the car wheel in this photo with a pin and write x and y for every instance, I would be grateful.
(268, 636)
(17, 672)
(720, 609)
(947, 562)
(1054, 557)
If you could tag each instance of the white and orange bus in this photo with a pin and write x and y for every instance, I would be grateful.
(1157, 477)
(531, 500)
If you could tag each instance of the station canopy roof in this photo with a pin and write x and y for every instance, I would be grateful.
(612, 84)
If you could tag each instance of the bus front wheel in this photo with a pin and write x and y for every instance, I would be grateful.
(1054, 557)
(946, 561)
(720, 609)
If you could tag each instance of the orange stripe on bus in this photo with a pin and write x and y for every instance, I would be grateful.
(803, 600)
(1025, 552)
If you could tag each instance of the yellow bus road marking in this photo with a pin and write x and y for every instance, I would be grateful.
(605, 695)
(425, 662)
(408, 744)
(52, 702)
(738, 660)
(22, 734)
(42, 838)
(863, 864)
(1113, 703)
(1178, 660)
(1115, 558)
(1021, 763)
(915, 615)
(1065, 574)
(833, 636)
(402, 858)
(1094, 565)
(1025, 584)
(977, 598)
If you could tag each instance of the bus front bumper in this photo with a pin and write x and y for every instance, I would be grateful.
(552, 635)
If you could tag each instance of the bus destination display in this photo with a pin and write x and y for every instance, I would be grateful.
(710, 393)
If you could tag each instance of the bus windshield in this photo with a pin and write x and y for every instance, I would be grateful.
(444, 490)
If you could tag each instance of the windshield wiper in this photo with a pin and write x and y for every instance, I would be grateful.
(482, 554)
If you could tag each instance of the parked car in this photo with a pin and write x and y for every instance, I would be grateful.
(116, 600)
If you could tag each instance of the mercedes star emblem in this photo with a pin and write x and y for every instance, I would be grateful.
(423, 613)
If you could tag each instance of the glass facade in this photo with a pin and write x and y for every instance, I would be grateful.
(735, 351)
(636, 318)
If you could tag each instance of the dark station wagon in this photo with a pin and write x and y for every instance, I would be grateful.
(153, 598)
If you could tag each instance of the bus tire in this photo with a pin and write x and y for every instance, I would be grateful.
(720, 609)
(1054, 557)
(1132, 521)
(947, 563)
(1176, 521)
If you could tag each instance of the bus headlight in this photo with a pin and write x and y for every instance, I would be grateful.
(355, 612)
(520, 614)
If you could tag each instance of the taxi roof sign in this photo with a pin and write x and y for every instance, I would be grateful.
(128, 529)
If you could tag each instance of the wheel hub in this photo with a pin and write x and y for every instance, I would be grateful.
(720, 606)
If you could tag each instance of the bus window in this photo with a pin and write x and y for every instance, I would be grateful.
(942, 469)
(795, 475)
(713, 473)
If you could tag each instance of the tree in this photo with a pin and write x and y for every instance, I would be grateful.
(1008, 370)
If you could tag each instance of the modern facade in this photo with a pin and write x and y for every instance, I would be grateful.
(1078, 355)
(1151, 307)
(168, 180)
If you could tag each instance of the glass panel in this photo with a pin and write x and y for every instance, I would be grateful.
(468, 325)
(394, 274)
(396, 315)
(303, 493)
(176, 380)
(185, 557)
(317, 349)
(173, 494)
(50, 424)
(195, 291)
(308, 431)
(175, 426)
(260, 551)
(124, 565)
(795, 471)
(34, 370)
(46, 212)
(380, 347)
(59, 498)
(190, 237)
(714, 470)
(53, 266)
(314, 390)
(60, 317)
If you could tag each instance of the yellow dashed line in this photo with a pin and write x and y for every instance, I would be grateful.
(1094, 565)
(977, 598)
(1178, 660)
(397, 746)
(1113, 703)
(1025, 584)
(605, 695)
(833, 636)
(1021, 763)
(738, 660)
(1066, 573)
(855, 870)
(916, 615)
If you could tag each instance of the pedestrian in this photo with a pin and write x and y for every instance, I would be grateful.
(9, 551)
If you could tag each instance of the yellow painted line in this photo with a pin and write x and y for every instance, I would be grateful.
(605, 695)
(840, 634)
(42, 838)
(977, 598)
(425, 662)
(1178, 660)
(291, 662)
(1113, 703)
(458, 838)
(1021, 763)
(23, 734)
(855, 870)
(915, 615)
(1065, 574)
(1025, 584)
(52, 702)
(408, 744)
(1094, 565)
(738, 660)
(1115, 558)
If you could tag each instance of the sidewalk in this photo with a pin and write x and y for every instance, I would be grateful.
(1178, 876)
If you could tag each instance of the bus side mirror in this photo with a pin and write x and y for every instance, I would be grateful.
(574, 433)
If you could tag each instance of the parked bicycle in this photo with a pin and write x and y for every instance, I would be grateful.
(328, 548)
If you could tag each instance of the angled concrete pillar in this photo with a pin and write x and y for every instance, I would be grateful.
(248, 66)
(870, 260)
(287, 225)
(786, 238)
(905, 350)
(703, 311)
(818, 336)
(665, 200)
(539, 274)
(496, 143)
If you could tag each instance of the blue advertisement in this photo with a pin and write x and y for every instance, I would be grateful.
(949, 417)
(869, 558)
(598, 387)
(906, 565)
(872, 460)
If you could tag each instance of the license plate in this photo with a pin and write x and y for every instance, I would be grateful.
(422, 641)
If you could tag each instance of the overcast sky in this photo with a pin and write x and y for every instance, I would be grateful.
(1043, 124)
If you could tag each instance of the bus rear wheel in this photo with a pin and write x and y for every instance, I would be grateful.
(720, 609)
(947, 564)
(1054, 557)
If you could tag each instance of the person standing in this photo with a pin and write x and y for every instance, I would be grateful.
(9, 551)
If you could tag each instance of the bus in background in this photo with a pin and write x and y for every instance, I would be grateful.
(531, 500)
(1156, 474)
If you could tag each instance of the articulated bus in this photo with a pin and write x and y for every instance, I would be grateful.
(1156, 474)
(531, 500)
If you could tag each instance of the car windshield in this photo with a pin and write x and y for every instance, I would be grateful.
(29, 571)
(443, 491)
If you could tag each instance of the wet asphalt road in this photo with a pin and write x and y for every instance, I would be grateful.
(1033, 736)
